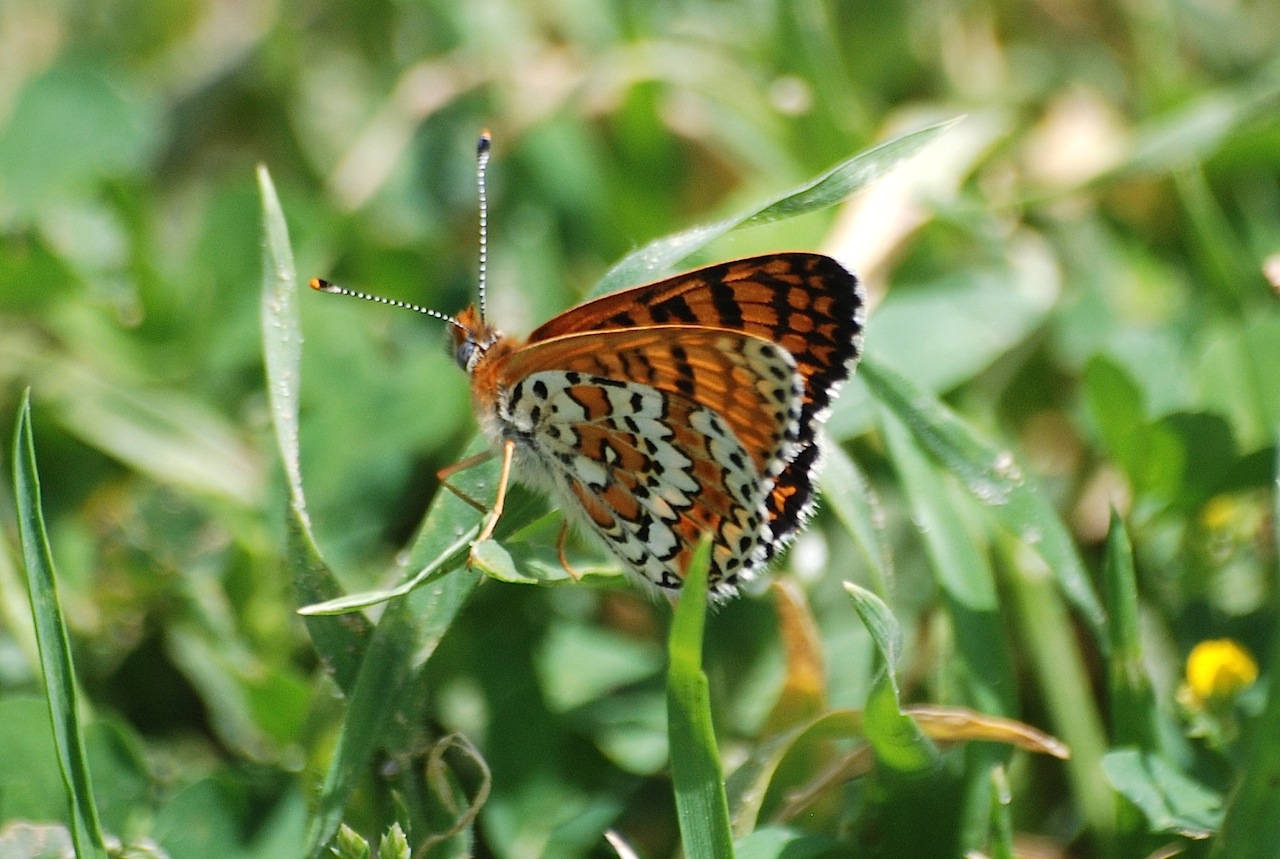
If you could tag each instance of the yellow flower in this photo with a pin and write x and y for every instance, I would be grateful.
(1219, 669)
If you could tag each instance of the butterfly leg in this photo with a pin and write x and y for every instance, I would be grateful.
(445, 473)
(508, 453)
(564, 560)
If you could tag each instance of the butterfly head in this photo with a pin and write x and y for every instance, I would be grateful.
(472, 338)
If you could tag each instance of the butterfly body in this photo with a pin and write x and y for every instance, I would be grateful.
(683, 407)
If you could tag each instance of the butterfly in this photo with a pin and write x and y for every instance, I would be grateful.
(671, 410)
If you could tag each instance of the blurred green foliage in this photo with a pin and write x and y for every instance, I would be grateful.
(1085, 271)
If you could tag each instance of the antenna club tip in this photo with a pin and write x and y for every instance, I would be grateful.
(485, 143)
(321, 285)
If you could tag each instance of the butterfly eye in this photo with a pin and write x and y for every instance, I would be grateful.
(466, 354)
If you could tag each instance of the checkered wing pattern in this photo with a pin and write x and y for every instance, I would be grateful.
(659, 439)
(809, 304)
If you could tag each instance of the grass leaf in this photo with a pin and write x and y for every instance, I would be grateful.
(897, 739)
(701, 806)
(992, 476)
(51, 636)
(1171, 800)
(339, 641)
(1133, 705)
(963, 572)
(384, 705)
(847, 491)
(657, 258)
(379, 689)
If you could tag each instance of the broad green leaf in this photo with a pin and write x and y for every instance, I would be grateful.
(54, 644)
(579, 664)
(1149, 454)
(71, 127)
(199, 821)
(657, 259)
(701, 807)
(1238, 373)
(492, 559)
(630, 728)
(1193, 131)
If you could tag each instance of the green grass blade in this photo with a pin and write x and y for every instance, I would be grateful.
(380, 687)
(447, 561)
(1133, 714)
(849, 176)
(1049, 644)
(281, 336)
(1133, 705)
(963, 571)
(897, 739)
(1197, 128)
(1001, 818)
(695, 761)
(168, 435)
(850, 496)
(378, 669)
(51, 637)
(981, 666)
(384, 706)
(993, 477)
(339, 641)
(659, 257)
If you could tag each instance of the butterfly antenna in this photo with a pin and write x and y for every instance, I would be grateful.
(333, 289)
(483, 145)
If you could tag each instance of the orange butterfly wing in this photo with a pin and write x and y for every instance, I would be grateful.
(660, 434)
(809, 304)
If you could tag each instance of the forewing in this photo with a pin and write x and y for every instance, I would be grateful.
(809, 304)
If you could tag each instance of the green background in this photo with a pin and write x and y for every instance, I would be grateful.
(1076, 269)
